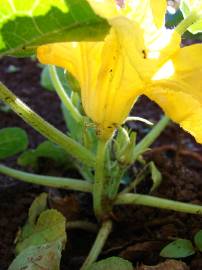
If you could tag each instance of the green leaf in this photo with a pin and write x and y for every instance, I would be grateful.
(45, 79)
(12, 141)
(28, 158)
(46, 256)
(112, 263)
(46, 149)
(198, 240)
(155, 176)
(42, 239)
(50, 227)
(24, 25)
(179, 248)
(37, 207)
(187, 7)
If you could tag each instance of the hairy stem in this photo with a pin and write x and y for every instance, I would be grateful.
(99, 187)
(50, 181)
(63, 95)
(150, 137)
(156, 202)
(138, 179)
(98, 244)
(37, 122)
(187, 22)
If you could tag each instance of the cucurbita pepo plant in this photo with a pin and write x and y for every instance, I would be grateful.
(112, 52)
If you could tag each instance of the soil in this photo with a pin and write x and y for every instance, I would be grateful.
(139, 233)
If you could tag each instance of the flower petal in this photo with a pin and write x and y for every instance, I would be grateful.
(131, 39)
(109, 83)
(184, 69)
(187, 63)
(181, 107)
(149, 14)
(117, 87)
(79, 58)
(164, 45)
(145, 59)
(158, 12)
(177, 88)
(146, 12)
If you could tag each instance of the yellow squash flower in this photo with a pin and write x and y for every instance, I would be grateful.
(138, 56)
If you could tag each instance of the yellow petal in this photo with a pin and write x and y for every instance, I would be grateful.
(164, 45)
(184, 70)
(109, 83)
(193, 5)
(116, 89)
(150, 14)
(158, 11)
(65, 55)
(130, 36)
(79, 58)
(188, 69)
(179, 89)
(180, 107)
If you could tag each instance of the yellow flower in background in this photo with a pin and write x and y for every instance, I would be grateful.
(194, 4)
(138, 56)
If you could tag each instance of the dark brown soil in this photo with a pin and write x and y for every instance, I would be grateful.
(139, 233)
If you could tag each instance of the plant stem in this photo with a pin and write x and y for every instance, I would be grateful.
(182, 27)
(82, 225)
(150, 137)
(50, 181)
(100, 201)
(37, 122)
(98, 244)
(138, 179)
(113, 186)
(63, 95)
(152, 201)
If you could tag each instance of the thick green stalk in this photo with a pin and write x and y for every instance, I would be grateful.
(53, 134)
(150, 137)
(50, 181)
(156, 202)
(100, 201)
(98, 244)
(182, 27)
(63, 95)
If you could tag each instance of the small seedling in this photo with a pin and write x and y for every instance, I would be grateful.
(181, 248)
